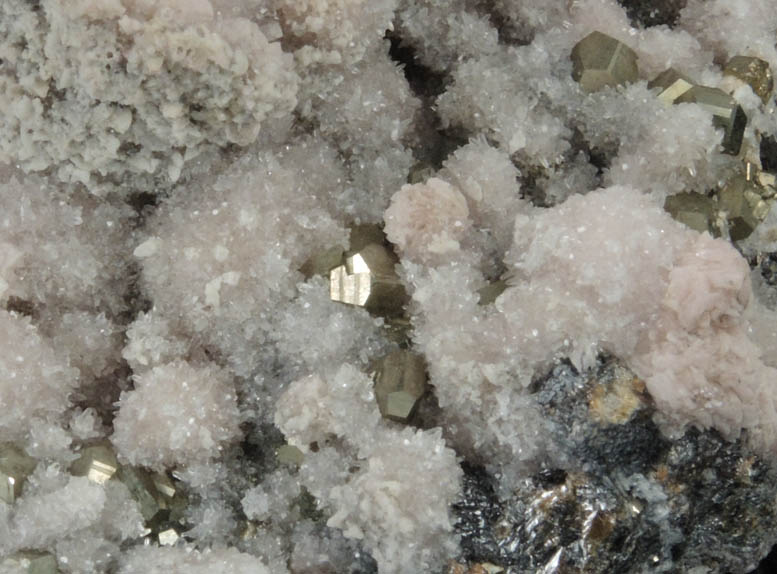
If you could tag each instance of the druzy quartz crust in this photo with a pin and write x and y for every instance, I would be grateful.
(388, 286)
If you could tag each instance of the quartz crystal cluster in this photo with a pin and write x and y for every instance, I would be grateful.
(388, 286)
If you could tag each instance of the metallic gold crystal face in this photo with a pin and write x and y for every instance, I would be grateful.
(15, 467)
(98, 463)
(726, 114)
(143, 489)
(30, 562)
(739, 200)
(368, 279)
(672, 84)
(600, 61)
(695, 210)
(754, 72)
(400, 382)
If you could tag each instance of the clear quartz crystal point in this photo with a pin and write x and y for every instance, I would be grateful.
(15, 467)
(600, 61)
(400, 382)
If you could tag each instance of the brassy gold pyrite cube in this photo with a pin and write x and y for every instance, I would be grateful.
(600, 60)
(727, 114)
(367, 276)
(672, 84)
(400, 383)
(695, 210)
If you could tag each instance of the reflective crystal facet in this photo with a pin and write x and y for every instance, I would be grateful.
(672, 84)
(400, 382)
(695, 210)
(368, 279)
(726, 114)
(97, 462)
(30, 562)
(15, 467)
(600, 60)
(754, 72)
(143, 489)
(739, 200)
(168, 537)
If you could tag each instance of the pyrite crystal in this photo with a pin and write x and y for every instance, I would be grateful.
(15, 467)
(600, 61)
(400, 382)
(695, 210)
(753, 71)
(672, 84)
(143, 488)
(726, 114)
(97, 462)
(741, 203)
(367, 277)
(30, 562)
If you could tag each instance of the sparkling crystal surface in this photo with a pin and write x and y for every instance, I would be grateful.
(600, 61)
(727, 114)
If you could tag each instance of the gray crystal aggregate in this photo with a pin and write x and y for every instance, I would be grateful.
(620, 497)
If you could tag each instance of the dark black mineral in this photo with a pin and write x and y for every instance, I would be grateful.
(617, 496)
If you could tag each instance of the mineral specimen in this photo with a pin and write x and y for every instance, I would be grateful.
(368, 279)
(727, 114)
(755, 72)
(693, 209)
(97, 463)
(626, 496)
(400, 382)
(15, 467)
(671, 84)
(547, 350)
(601, 61)
(739, 200)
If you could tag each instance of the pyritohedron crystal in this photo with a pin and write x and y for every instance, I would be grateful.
(726, 114)
(753, 71)
(672, 85)
(693, 209)
(400, 382)
(368, 279)
(600, 60)
(97, 462)
(738, 200)
(15, 467)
